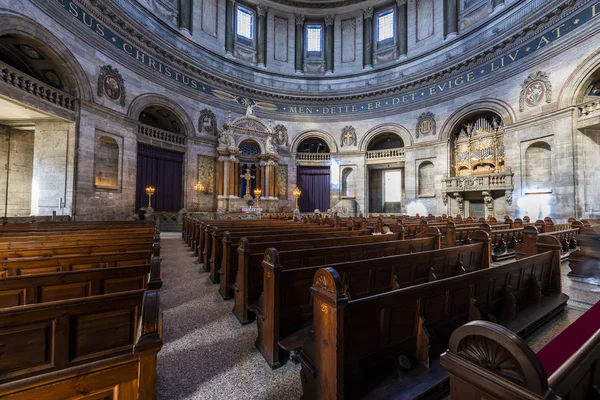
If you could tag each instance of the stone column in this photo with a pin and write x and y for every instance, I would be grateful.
(274, 181)
(329, 21)
(402, 28)
(226, 177)
(263, 179)
(186, 14)
(232, 168)
(451, 17)
(299, 60)
(368, 37)
(261, 34)
(229, 31)
(220, 178)
(236, 176)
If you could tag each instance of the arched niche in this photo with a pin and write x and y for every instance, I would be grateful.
(385, 129)
(162, 118)
(313, 145)
(145, 102)
(107, 162)
(385, 141)
(426, 184)
(477, 144)
(55, 58)
(498, 107)
(348, 183)
(577, 88)
(318, 134)
(538, 167)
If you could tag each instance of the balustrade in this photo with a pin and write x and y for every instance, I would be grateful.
(154, 133)
(387, 153)
(478, 182)
(313, 156)
(26, 83)
(589, 108)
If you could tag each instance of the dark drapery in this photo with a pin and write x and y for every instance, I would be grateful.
(315, 183)
(163, 170)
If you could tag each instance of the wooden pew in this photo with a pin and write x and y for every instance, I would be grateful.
(352, 337)
(248, 279)
(284, 310)
(99, 347)
(565, 237)
(46, 251)
(508, 369)
(229, 259)
(215, 254)
(584, 263)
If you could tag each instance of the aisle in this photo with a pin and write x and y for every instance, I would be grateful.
(206, 353)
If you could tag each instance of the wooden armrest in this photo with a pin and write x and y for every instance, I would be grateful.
(150, 329)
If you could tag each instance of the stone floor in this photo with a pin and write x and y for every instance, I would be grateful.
(208, 355)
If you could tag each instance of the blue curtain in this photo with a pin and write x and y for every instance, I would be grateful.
(315, 183)
(163, 170)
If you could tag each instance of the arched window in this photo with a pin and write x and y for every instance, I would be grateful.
(163, 119)
(106, 163)
(384, 141)
(538, 167)
(250, 148)
(313, 145)
(426, 179)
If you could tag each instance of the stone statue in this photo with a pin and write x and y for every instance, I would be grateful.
(250, 110)
(225, 138)
(269, 146)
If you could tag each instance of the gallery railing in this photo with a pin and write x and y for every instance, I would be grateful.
(589, 109)
(502, 181)
(26, 83)
(384, 154)
(313, 156)
(153, 133)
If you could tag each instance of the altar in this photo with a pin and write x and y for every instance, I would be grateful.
(247, 167)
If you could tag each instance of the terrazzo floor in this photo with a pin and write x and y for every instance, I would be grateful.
(207, 354)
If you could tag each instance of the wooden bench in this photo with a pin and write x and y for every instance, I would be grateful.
(486, 360)
(101, 346)
(565, 237)
(284, 309)
(248, 279)
(351, 338)
(229, 258)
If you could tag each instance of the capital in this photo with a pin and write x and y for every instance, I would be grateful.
(262, 10)
(299, 19)
(368, 12)
(329, 19)
(401, 3)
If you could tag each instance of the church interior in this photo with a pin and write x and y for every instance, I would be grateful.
(300, 199)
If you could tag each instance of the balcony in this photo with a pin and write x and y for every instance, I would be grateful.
(478, 183)
(386, 155)
(313, 157)
(589, 114)
(164, 136)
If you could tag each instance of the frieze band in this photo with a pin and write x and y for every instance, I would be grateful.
(566, 27)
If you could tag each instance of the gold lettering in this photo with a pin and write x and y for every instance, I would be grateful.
(73, 9)
(325, 110)
(143, 56)
(151, 63)
(300, 110)
(84, 14)
(126, 50)
(449, 84)
(544, 41)
(412, 95)
(557, 29)
(309, 110)
(194, 84)
(370, 106)
(347, 109)
(459, 81)
(470, 76)
(183, 78)
(493, 66)
(100, 30)
(404, 98)
(514, 57)
(293, 109)
(395, 101)
(168, 71)
(442, 87)
(432, 91)
(377, 104)
(339, 109)
(353, 108)
(332, 110)
(594, 11)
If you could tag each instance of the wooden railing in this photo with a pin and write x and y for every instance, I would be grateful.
(26, 83)
(154, 133)
(313, 156)
(383, 154)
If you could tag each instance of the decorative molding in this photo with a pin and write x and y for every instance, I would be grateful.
(299, 19)
(321, 283)
(281, 135)
(348, 136)
(111, 84)
(535, 87)
(508, 197)
(400, 3)
(262, 10)
(329, 19)
(426, 124)
(367, 12)
(207, 123)
(206, 172)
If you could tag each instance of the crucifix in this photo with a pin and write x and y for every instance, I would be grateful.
(248, 177)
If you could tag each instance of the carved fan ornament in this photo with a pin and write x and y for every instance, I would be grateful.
(321, 283)
(493, 357)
